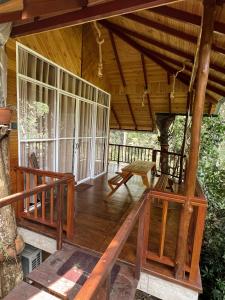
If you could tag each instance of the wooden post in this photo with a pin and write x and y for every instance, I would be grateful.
(70, 209)
(19, 188)
(202, 78)
(140, 244)
(59, 216)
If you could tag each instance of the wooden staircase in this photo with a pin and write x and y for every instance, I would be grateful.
(62, 275)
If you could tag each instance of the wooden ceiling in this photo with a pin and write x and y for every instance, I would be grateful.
(142, 51)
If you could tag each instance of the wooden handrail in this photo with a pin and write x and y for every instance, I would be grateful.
(178, 198)
(129, 146)
(104, 266)
(44, 172)
(23, 195)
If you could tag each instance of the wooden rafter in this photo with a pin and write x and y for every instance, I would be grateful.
(169, 30)
(186, 17)
(155, 57)
(146, 87)
(90, 13)
(166, 47)
(115, 116)
(119, 66)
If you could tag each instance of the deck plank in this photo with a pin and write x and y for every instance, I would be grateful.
(25, 291)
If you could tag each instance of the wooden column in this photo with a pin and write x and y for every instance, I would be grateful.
(163, 122)
(198, 108)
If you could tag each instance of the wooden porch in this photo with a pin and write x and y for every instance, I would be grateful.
(98, 218)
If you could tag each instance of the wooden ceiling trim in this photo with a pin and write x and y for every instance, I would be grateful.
(115, 116)
(90, 13)
(174, 32)
(146, 87)
(163, 46)
(154, 55)
(119, 66)
(185, 16)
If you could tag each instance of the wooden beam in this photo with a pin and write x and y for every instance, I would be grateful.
(184, 78)
(199, 101)
(122, 76)
(90, 13)
(186, 17)
(169, 30)
(166, 47)
(115, 116)
(146, 87)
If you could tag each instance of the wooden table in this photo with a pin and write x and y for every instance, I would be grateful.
(140, 168)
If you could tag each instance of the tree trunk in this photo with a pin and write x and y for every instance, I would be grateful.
(10, 268)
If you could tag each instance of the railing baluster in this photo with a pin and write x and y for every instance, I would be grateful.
(147, 217)
(59, 216)
(35, 197)
(27, 189)
(43, 200)
(70, 209)
(19, 188)
(52, 203)
(140, 246)
(163, 227)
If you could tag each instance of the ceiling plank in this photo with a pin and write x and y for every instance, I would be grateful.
(169, 30)
(164, 46)
(115, 116)
(184, 78)
(119, 66)
(169, 98)
(148, 52)
(146, 87)
(90, 13)
(186, 17)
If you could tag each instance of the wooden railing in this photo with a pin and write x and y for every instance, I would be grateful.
(44, 206)
(98, 284)
(175, 161)
(18, 200)
(128, 154)
(170, 203)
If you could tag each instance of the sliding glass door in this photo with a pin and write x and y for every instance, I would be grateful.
(62, 118)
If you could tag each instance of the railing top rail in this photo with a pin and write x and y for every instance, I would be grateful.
(129, 146)
(108, 259)
(178, 198)
(23, 195)
(141, 147)
(44, 172)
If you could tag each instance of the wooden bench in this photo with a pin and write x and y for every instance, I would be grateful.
(162, 184)
(116, 181)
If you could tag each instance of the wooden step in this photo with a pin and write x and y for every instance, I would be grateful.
(64, 272)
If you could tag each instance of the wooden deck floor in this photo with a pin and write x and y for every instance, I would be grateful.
(97, 219)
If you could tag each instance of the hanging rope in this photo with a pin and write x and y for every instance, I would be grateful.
(143, 97)
(172, 94)
(99, 41)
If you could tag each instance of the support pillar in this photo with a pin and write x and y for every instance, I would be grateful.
(198, 108)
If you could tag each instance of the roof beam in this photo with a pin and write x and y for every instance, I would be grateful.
(186, 17)
(169, 30)
(157, 56)
(146, 87)
(122, 76)
(89, 13)
(148, 53)
(164, 46)
(115, 116)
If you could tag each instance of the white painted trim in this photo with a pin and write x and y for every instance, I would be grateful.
(164, 289)
(37, 240)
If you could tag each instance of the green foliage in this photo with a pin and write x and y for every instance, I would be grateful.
(212, 177)
(134, 138)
